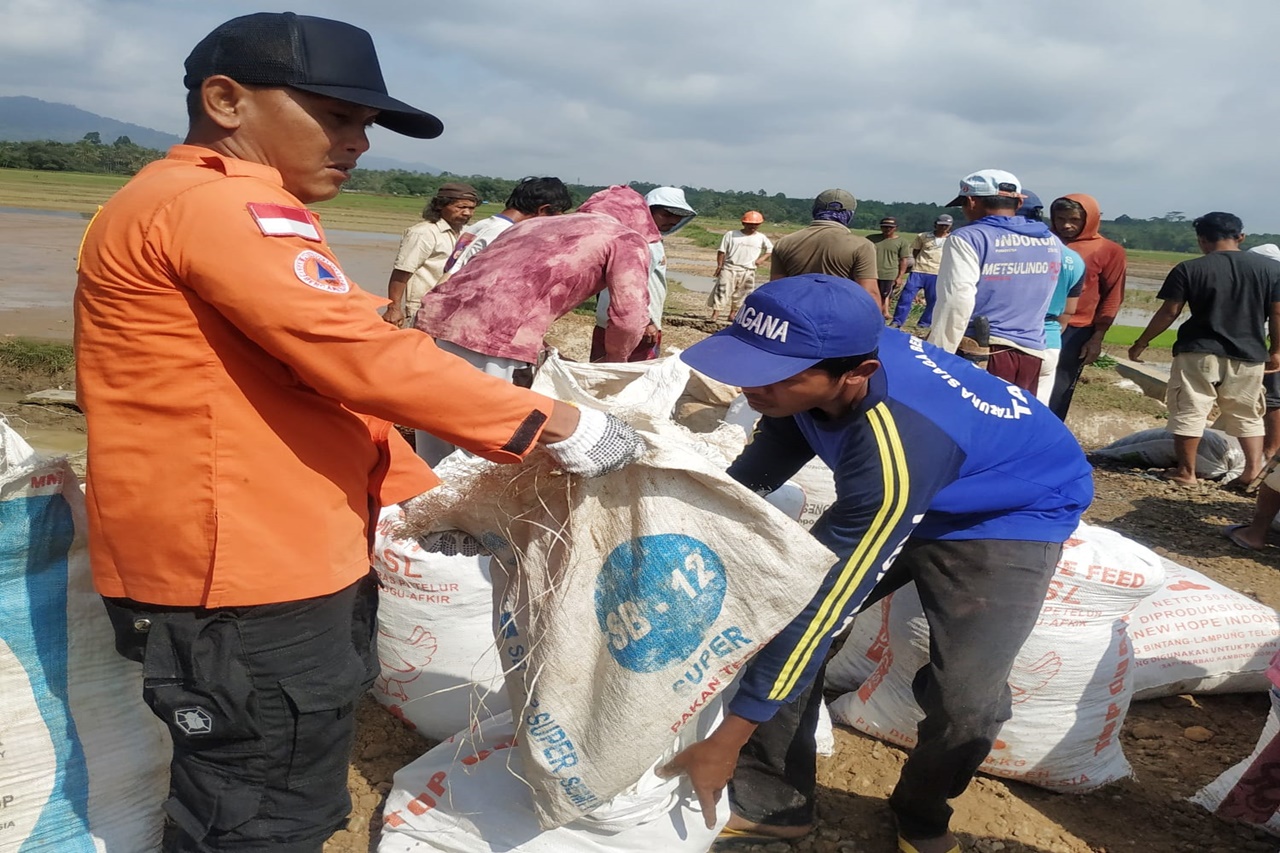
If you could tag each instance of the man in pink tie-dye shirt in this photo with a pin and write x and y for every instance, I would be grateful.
(496, 310)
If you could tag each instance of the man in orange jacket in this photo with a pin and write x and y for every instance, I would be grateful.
(1075, 219)
(222, 355)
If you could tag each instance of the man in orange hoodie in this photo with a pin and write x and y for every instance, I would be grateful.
(1075, 219)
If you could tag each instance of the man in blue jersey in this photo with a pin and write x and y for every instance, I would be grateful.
(946, 476)
(1002, 267)
(1061, 305)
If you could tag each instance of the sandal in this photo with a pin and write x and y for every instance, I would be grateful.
(1240, 486)
(729, 838)
(1232, 531)
(905, 846)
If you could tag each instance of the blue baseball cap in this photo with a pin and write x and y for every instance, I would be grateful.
(1032, 207)
(787, 326)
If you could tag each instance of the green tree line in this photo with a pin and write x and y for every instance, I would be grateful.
(90, 154)
(1169, 233)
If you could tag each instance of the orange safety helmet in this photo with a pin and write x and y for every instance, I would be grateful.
(753, 216)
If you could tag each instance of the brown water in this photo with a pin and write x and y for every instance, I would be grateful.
(59, 438)
(38, 277)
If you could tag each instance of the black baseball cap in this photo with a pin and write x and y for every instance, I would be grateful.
(312, 54)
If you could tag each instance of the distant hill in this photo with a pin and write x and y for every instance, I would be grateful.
(372, 161)
(24, 119)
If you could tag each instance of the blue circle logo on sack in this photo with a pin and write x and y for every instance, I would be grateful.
(315, 270)
(656, 598)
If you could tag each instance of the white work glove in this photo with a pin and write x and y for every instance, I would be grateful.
(600, 444)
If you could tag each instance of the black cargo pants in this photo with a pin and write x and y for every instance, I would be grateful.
(260, 702)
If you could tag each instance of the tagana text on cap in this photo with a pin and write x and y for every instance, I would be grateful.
(312, 54)
(789, 325)
(986, 183)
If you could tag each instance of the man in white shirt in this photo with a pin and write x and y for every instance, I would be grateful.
(741, 252)
(1000, 267)
(529, 198)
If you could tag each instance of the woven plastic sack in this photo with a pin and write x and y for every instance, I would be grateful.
(439, 666)
(445, 800)
(1218, 455)
(627, 603)
(1267, 770)
(1194, 635)
(83, 761)
(644, 389)
(1072, 681)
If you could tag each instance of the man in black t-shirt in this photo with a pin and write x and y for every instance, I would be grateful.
(1222, 349)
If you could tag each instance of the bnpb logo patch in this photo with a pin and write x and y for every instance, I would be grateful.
(656, 598)
(315, 270)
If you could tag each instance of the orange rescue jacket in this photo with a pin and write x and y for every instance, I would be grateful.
(221, 355)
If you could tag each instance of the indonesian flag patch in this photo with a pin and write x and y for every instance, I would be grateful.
(278, 220)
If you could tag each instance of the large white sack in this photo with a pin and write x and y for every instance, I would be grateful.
(619, 619)
(468, 795)
(1218, 456)
(439, 664)
(646, 391)
(1212, 794)
(1072, 681)
(815, 481)
(83, 761)
(1195, 635)
(861, 651)
(642, 389)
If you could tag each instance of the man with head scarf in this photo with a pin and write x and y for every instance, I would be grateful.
(827, 245)
(426, 247)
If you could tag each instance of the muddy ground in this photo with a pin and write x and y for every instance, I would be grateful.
(1146, 813)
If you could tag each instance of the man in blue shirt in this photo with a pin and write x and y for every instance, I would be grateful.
(946, 476)
(1061, 305)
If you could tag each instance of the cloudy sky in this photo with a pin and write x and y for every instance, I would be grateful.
(1149, 105)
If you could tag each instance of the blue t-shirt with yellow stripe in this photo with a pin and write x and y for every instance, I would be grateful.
(938, 449)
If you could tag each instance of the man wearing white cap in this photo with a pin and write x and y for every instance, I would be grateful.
(671, 212)
(1002, 267)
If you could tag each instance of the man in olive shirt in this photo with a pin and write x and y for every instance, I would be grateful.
(827, 246)
(893, 257)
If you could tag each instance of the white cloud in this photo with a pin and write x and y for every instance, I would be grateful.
(1148, 105)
